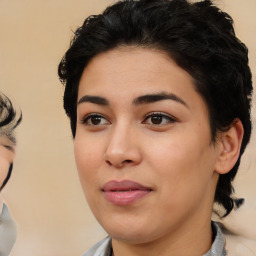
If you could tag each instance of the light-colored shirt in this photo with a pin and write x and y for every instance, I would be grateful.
(104, 247)
(8, 232)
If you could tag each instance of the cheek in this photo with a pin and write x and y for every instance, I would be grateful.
(174, 154)
(184, 168)
(6, 158)
(88, 156)
(4, 167)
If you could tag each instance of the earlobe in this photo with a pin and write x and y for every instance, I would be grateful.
(229, 149)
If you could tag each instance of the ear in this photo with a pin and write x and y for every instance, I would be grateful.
(229, 144)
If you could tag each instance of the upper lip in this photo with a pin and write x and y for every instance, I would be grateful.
(124, 185)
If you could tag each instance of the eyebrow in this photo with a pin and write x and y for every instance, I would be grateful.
(144, 99)
(93, 99)
(10, 148)
(10, 145)
(151, 98)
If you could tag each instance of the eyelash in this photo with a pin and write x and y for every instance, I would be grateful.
(87, 120)
(89, 117)
(169, 118)
(8, 147)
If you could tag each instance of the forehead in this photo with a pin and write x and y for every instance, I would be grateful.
(123, 74)
(130, 68)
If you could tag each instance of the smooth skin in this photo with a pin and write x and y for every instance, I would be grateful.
(164, 144)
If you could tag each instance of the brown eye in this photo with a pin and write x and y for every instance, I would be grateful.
(95, 120)
(158, 119)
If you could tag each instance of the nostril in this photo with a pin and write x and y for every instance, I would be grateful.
(127, 161)
(108, 162)
(120, 164)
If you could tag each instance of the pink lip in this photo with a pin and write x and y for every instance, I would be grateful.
(124, 192)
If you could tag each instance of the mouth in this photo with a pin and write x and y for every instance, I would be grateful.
(124, 192)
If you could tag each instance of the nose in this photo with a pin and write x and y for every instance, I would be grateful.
(123, 148)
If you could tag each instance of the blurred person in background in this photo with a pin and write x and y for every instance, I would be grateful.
(8, 122)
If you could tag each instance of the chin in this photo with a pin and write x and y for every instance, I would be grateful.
(131, 237)
(132, 234)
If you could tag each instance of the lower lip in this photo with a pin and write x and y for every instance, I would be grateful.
(125, 197)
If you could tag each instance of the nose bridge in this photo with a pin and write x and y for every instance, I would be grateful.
(122, 147)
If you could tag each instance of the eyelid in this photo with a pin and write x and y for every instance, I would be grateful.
(88, 116)
(11, 148)
(171, 118)
(159, 113)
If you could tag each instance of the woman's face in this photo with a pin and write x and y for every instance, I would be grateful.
(143, 145)
(6, 157)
